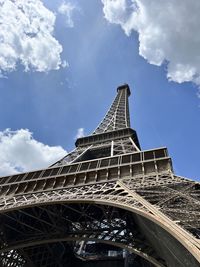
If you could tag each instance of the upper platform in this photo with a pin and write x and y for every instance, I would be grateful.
(124, 87)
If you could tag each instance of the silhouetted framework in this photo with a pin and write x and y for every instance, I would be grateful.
(106, 201)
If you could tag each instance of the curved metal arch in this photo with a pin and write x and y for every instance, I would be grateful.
(68, 239)
(123, 202)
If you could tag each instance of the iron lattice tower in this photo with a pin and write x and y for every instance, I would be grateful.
(106, 193)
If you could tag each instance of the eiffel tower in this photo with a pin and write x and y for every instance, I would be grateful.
(106, 202)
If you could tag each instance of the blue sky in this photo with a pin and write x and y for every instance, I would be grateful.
(103, 46)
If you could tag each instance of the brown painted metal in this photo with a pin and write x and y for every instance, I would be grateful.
(107, 190)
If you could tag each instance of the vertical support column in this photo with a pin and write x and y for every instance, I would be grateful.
(112, 148)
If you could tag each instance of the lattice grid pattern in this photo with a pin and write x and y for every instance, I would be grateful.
(98, 193)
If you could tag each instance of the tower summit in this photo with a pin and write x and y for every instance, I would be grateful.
(106, 201)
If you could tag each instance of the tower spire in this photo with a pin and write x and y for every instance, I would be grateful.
(117, 116)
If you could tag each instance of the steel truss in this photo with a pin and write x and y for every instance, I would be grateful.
(106, 191)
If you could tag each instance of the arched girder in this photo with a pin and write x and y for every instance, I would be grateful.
(118, 197)
(74, 222)
(116, 244)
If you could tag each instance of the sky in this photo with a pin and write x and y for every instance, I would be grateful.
(61, 62)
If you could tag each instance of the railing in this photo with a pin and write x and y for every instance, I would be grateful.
(156, 160)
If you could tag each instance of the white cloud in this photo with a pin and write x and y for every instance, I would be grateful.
(19, 151)
(80, 133)
(67, 9)
(65, 64)
(168, 33)
(26, 36)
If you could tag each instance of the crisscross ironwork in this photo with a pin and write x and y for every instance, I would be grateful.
(108, 191)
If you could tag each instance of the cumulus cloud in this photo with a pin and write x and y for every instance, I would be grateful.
(26, 36)
(80, 133)
(67, 9)
(168, 33)
(19, 152)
